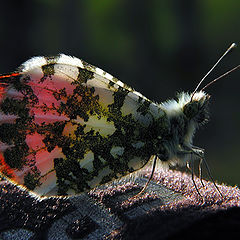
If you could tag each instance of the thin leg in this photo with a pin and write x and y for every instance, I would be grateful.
(210, 175)
(200, 171)
(194, 183)
(153, 169)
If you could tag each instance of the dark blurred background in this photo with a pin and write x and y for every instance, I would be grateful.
(157, 47)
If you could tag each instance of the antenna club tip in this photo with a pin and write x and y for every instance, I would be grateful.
(233, 45)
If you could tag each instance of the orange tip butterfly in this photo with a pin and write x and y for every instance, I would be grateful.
(67, 126)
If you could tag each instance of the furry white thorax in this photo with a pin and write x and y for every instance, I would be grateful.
(174, 109)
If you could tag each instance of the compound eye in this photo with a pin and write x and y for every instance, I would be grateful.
(190, 110)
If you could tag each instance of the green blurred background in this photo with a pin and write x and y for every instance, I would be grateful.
(157, 47)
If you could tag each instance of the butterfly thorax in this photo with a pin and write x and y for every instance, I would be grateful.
(185, 115)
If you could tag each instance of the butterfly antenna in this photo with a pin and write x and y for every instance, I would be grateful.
(223, 75)
(233, 45)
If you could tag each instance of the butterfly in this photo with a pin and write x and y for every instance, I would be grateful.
(67, 127)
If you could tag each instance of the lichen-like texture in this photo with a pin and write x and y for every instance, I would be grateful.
(112, 212)
(209, 215)
(182, 183)
(21, 210)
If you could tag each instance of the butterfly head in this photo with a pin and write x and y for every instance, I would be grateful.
(196, 109)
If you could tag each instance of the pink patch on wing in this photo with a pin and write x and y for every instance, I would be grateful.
(43, 158)
(48, 102)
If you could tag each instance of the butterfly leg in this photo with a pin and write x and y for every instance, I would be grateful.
(193, 180)
(200, 171)
(199, 153)
(211, 177)
(153, 169)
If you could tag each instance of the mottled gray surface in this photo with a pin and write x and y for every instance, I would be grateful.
(168, 208)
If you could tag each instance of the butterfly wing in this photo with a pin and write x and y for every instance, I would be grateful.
(67, 126)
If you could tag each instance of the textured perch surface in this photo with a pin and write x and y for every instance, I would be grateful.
(169, 209)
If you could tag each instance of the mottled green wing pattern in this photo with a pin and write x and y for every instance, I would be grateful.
(67, 127)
